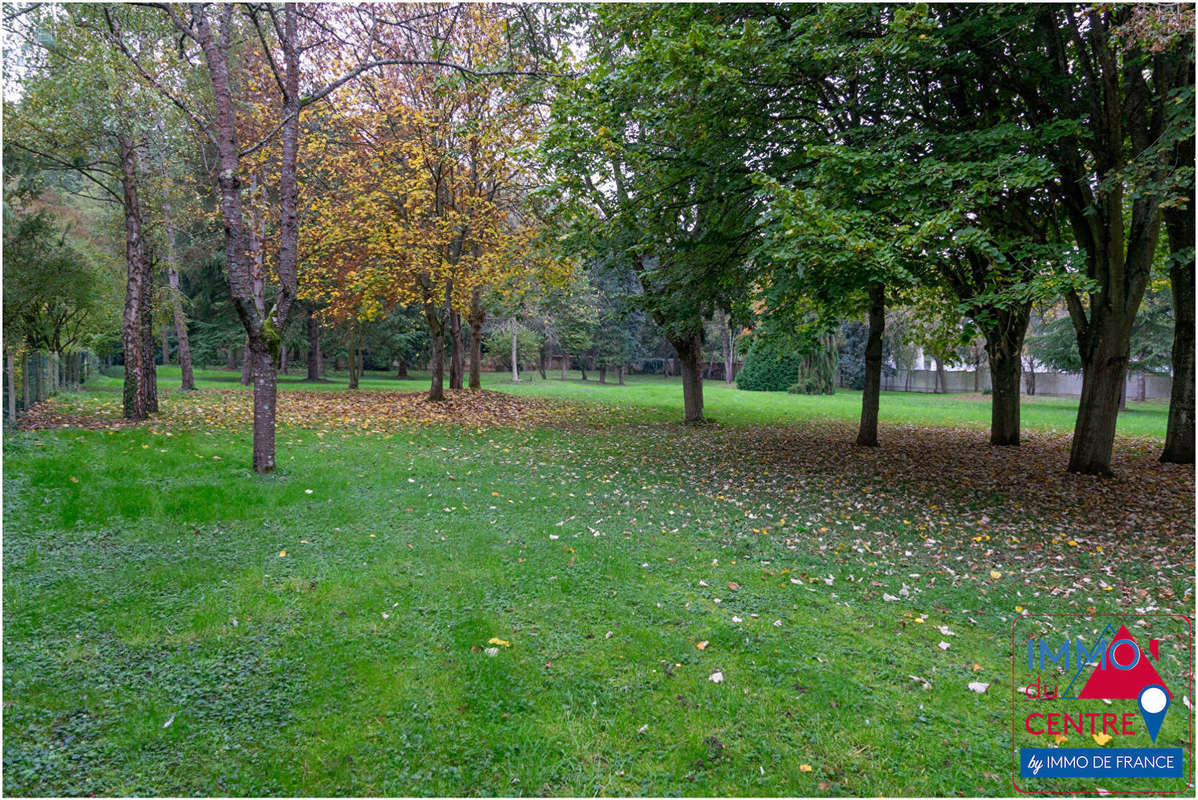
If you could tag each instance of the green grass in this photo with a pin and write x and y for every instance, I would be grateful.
(324, 630)
(659, 399)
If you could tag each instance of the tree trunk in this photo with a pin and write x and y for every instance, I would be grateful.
(353, 363)
(149, 346)
(603, 374)
(1179, 437)
(565, 360)
(1004, 349)
(478, 315)
(867, 432)
(1123, 393)
(261, 332)
(136, 284)
(457, 362)
(282, 358)
(689, 356)
(582, 366)
(402, 372)
(184, 344)
(1104, 368)
(727, 347)
(620, 373)
(314, 365)
(230, 357)
(265, 390)
(247, 363)
(436, 329)
(941, 381)
(1141, 387)
(515, 352)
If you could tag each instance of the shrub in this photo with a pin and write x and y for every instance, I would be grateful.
(767, 368)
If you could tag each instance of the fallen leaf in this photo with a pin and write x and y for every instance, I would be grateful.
(804, 767)
(978, 686)
(498, 641)
(1101, 738)
(702, 645)
(716, 677)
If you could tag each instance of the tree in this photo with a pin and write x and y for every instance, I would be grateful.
(652, 163)
(1104, 107)
(430, 197)
(53, 294)
(81, 110)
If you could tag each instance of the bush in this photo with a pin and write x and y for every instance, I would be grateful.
(768, 369)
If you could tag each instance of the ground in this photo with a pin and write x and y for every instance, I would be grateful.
(554, 589)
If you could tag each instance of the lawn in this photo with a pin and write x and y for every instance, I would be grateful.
(567, 593)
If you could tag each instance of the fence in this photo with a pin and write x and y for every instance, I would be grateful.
(1140, 385)
(31, 377)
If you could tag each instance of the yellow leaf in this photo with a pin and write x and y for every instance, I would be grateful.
(282, 553)
(498, 641)
(804, 767)
(1060, 739)
(995, 574)
(1101, 738)
(977, 667)
(702, 645)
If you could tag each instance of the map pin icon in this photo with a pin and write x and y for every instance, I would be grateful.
(1154, 704)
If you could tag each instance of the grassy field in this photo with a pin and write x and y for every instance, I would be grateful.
(593, 601)
(658, 399)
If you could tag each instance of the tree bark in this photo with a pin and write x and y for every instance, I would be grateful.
(1004, 332)
(402, 372)
(353, 362)
(565, 361)
(727, 347)
(136, 284)
(247, 363)
(477, 316)
(515, 353)
(149, 346)
(620, 373)
(436, 329)
(282, 358)
(1141, 387)
(1104, 368)
(265, 390)
(181, 337)
(457, 362)
(602, 374)
(689, 355)
(314, 365)
(867, 431)
(1179, 436)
